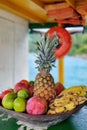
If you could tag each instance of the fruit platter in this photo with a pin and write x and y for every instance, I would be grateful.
(42, 101)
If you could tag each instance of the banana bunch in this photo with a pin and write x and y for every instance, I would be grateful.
(80, 90)
(68, 100)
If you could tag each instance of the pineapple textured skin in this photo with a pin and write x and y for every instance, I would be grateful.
(44, 86)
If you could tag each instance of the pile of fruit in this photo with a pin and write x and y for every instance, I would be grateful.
(16, 97)
(21, 98)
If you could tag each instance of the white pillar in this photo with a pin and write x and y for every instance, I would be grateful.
(13, 49)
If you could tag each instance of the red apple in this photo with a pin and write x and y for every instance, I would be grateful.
(3, 93)
(59, 88)
(18, 86)
(36, 106)
(24, 81)
(31, 90)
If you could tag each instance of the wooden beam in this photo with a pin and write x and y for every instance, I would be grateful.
(5, 7)
(38, 2)
(71, 3)
(51, 1)
(21, 10)
(31, 7)
(56, 6)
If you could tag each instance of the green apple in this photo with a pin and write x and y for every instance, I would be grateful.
(8, 100)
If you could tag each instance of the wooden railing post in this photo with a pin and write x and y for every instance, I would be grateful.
(61, 70)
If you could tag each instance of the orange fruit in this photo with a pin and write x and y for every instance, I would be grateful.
(19, 104)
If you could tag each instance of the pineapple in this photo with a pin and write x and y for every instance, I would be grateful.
(44, 85)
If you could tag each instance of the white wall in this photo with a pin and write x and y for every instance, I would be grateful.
(13, 49)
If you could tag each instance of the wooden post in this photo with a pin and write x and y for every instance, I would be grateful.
(61, 67)
(61, 70)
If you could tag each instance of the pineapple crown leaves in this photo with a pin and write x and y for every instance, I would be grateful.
(45, 52)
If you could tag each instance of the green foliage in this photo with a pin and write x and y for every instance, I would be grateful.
(79, 44)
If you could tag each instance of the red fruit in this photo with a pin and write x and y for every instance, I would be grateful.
(24, 81)
(36, 106)
(59, 88)
(5, 92)
(31, 87)
(18, 86)
(31, 90)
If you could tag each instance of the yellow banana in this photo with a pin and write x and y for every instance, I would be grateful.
(51, 111)
(70, 106)
(66, 102)
(81, 100)
(80, 90)
(60, 109)
(56, 110)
